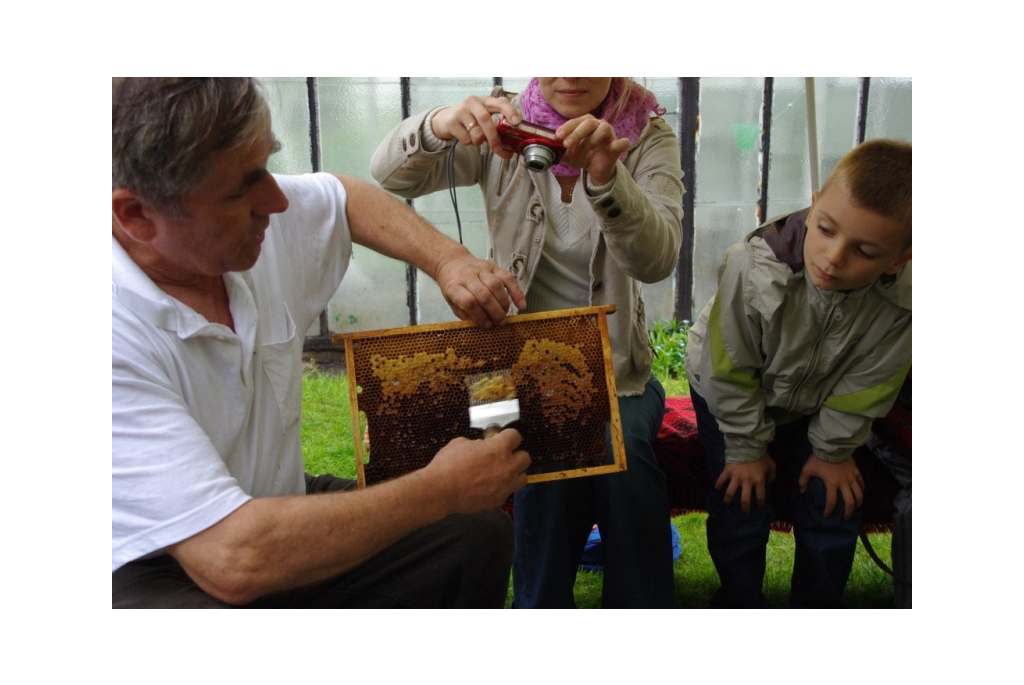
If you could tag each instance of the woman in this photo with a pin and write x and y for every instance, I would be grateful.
(586, 231)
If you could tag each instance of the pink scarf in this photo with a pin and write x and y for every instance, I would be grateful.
(630, 123)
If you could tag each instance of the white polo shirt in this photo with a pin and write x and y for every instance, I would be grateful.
(204, 418)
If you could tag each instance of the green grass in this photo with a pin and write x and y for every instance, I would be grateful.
(696, 580)
(327, 446)
(327, 424)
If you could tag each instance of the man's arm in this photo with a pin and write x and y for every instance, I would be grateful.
(277, 543)
(474, 288)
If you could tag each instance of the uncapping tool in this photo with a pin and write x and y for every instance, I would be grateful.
(492, 401)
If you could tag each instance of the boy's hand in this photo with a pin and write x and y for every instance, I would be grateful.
(754, 476)
(844, 477)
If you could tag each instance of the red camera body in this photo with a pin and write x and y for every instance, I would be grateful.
(537, 144)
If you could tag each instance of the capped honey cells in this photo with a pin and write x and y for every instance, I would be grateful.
(418, 374)
(561, 376)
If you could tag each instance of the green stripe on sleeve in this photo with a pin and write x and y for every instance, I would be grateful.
(862, 401)
(720, 362)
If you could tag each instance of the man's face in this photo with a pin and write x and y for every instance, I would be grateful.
(848, 247)
(227, 216)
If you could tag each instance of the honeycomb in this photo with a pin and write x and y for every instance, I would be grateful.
(410, 391)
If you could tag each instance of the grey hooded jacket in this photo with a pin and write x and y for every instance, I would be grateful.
(771, 347)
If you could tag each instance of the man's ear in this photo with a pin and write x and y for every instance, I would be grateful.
(132, 215)
(898, 264)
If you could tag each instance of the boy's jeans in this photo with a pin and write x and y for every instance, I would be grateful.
(737, 542)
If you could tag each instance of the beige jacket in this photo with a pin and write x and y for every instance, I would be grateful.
(636, 230)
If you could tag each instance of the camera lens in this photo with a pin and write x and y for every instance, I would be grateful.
(539, 157)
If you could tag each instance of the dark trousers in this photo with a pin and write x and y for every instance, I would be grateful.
(553, 520)
(462, 561)
(737, 541)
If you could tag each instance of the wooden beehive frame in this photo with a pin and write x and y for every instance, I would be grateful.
(455, 349)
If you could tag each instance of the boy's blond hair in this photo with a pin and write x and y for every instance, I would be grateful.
(877, 174)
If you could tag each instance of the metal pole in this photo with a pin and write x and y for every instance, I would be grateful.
(689, 135)
(767, 96)
(410, 270)
(313, 99)
(862, 109)
(812, 131)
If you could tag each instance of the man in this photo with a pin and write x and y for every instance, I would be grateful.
(218, 268)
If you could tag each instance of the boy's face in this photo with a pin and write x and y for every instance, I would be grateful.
(848, 247)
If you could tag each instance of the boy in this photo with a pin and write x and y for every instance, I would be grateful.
(807, 340)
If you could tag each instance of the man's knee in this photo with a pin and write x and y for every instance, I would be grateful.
(159, 583)
(489, 531)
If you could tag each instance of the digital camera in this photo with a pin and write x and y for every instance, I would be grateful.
(537, 144)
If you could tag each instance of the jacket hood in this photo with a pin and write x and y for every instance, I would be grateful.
(778, 247)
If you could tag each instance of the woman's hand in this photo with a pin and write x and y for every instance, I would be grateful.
(591, 144)
(471, 123)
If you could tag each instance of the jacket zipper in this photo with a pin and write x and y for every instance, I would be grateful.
(834, 314)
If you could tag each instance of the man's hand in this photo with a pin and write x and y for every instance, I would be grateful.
(275, 543)
(477, 290)
(474, 288)
(479, 474)
(843, 477)
(751, 477)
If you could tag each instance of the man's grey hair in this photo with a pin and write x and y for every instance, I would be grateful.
(165, 131)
